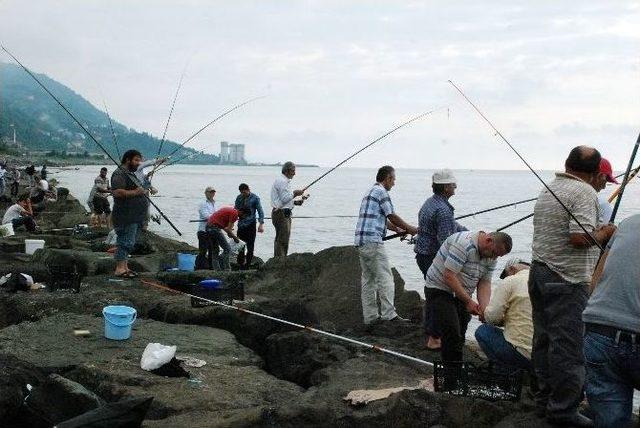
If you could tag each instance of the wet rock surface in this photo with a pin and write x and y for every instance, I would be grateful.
(258, 372)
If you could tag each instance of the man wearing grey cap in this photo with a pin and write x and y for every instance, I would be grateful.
(509, 307)
(435, 224)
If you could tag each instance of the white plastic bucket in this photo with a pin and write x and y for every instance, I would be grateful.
(7, 230)
(31, 245)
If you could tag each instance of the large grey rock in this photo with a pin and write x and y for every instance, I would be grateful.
(58, 399)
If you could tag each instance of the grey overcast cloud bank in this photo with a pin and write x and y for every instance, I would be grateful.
(550, 74)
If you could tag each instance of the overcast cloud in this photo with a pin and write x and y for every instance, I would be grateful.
(339, 73)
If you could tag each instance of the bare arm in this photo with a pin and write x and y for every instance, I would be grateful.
(395, 220)
(124, 194)
(484, 293)
(453, 282)
(229, 230)
(602, 236)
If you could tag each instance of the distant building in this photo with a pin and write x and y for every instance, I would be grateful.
(232, 153)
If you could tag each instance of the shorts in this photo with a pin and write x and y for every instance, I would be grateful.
(101, 206)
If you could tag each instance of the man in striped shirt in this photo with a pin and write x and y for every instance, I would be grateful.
(464, 265)
(376, 215)
(564, 258)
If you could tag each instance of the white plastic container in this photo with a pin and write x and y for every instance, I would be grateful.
(6, 230)
(31, 245)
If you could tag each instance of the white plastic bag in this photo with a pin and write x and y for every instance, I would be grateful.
(236, 247)
(156, 355)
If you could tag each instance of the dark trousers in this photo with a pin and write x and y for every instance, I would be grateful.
(219, 236)
(613, 372)
(26, 221)
(15, 186)
(424, 263)
(207, 251)
(282, 224)
(558, 332)
(451, 319)
(248, 235)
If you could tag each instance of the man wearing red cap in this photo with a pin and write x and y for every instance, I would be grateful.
(599, 183)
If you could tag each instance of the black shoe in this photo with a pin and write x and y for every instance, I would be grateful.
(575, 420)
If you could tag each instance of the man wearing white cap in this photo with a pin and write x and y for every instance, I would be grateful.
(435, 224)
(509, 307)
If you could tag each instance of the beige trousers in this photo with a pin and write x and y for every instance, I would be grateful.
(377, 283)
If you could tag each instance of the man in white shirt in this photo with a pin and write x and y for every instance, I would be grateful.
(282, 202)
(20, 214)
(207, 247)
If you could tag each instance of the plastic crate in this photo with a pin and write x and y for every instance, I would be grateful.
(64, 278)
(477, 381)
(226, 294)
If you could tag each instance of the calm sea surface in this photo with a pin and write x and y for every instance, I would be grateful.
(181, 189)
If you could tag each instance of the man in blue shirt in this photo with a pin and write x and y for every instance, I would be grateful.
(376, 214)
(435, 224)
(248, 204)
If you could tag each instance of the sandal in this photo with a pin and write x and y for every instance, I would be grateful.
(126, 275)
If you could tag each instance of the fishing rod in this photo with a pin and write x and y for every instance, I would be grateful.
(626, 180)
(173, 104)
(302, 216)
(617, 191)
(420, 116)
(131, 176)
(293, 324)
(573, 217)
(397, 235)
(236, 107)
(113, 132)
(514, 222)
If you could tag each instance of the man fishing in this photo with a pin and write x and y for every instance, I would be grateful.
(564, 257)
(100, 207)
(207, 246)
(248, 204)
(599, 182)
(463, 266)
(435, 224)
(130, 206)
(282, 203)
(376, 215)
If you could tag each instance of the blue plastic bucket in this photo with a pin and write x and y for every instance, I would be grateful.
(211, 283)
(118, 321)
(186, 261)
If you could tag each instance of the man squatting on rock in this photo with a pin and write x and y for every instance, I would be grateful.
(464, 265)
(376, 215)
(435, 224)
(130, 206)
(282, 202)
(564, 258)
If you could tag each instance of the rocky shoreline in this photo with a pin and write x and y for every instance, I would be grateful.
(258, 373)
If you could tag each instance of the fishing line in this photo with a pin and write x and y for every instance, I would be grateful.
(420, 116)
(514, 222)
(293, 324)
(131, 176)
(205, 127)
(113, 133)
(301, 216)
(617, 191)
(173, 104)
(529, 166)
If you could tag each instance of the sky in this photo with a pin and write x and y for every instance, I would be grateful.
(337, 74)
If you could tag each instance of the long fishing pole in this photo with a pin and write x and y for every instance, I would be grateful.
(398, 235)
(615, 193)
(173, 104)
(634, 152)
(420, 116)
(573, 217)
(293, 324)
(300, 216)
(514, 222)
(131, 176)
(113, 133)
(236, 107)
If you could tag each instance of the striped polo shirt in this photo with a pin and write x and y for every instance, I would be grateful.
(552, 226)
(372, 220)
(460, 254)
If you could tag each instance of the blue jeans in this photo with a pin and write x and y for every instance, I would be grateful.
(127, 235)
(613, 372)
(503, 354)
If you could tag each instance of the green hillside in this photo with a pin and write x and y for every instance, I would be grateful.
(41, 125)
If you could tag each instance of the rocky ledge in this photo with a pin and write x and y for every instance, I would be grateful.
(258, 372)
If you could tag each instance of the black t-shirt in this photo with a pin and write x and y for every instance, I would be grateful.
(127, 210)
